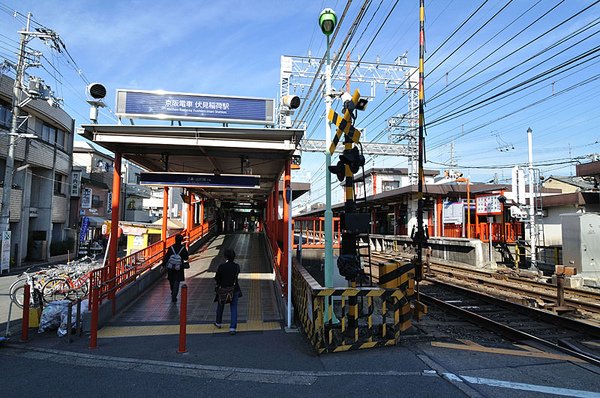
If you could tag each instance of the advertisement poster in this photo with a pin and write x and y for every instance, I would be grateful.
(5, 255)
(86, 198)
(85, 224)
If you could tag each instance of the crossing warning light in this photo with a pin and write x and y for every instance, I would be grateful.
(353, 159)
(339, 170)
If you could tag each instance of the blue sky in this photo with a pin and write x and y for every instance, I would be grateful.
(234, 47)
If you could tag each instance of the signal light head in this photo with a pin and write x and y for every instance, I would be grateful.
(353, 159)
(339, 170)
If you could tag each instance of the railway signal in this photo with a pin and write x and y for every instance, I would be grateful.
(350, 161)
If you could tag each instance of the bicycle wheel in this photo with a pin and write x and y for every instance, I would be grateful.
(56, 289)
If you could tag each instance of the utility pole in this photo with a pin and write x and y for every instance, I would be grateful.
(40, 91)
(12, 137)
(532, 227)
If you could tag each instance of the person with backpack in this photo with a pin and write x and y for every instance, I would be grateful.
(175, 261)
(227, 290)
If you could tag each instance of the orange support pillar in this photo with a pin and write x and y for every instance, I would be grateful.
(190, 214)
(201, 217)
(165, 219)
(287, 209)
(114, 228)
(275, 217)
(268, 211)
(439, 231)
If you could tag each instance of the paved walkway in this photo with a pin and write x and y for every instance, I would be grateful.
(154, 313)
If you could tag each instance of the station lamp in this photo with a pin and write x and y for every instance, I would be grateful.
(327, 21)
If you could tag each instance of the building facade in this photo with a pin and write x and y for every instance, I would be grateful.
(39, 203)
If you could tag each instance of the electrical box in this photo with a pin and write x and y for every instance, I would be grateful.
(580, 236)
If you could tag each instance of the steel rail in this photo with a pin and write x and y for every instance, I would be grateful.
(516, 334)
(579, 299)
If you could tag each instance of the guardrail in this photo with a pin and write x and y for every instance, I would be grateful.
(311, 229)
(384, 315)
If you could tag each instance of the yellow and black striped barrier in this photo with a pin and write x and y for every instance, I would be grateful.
(381, 315)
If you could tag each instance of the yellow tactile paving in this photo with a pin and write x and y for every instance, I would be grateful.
(254, 304)
(156, 330)
(471, 346)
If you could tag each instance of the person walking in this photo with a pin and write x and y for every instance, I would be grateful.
(227, 277)
(175, 261)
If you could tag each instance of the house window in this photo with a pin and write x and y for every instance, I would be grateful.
(96, 202)
(5, 116)
(60, 138)
(59, 182)
(50, 135)
(390, 185)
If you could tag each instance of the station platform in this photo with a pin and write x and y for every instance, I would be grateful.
(153, 313)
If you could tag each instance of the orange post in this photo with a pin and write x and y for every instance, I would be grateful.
(464, 179)
(25, 320)
(165, 220)
(183, 320)
(114, 228)
(94, 322)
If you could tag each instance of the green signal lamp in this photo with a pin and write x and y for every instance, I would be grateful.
(327, 21)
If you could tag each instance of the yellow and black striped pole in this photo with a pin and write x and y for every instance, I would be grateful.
(349, 240)
(421, 236)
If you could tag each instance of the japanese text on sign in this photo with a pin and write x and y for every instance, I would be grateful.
(488, 205)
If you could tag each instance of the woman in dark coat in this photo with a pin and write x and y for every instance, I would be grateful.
(227, 276)
(176, 276)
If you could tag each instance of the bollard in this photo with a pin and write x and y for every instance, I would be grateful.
(78, 320)
(25, 320)
(94, 323)
(183, 320)
(69, 322)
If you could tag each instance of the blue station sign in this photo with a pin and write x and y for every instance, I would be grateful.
(194, 107)
(200, 180)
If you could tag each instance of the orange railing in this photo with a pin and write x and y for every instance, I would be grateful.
(130, 267)
(312, 233)
(511, 232)
(270, 230)
(482, 232)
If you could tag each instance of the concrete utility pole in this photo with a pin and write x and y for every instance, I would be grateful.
(12, 137)
(532, 227)
(36, 91)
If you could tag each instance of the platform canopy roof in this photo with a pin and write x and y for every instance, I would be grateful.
(204, 149)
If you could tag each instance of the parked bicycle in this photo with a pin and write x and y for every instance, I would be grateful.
(65, 281)
(36, 280)
(66, 287)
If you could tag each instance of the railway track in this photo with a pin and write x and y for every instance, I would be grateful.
(521, 317)
(517, 289)
(516, 322)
